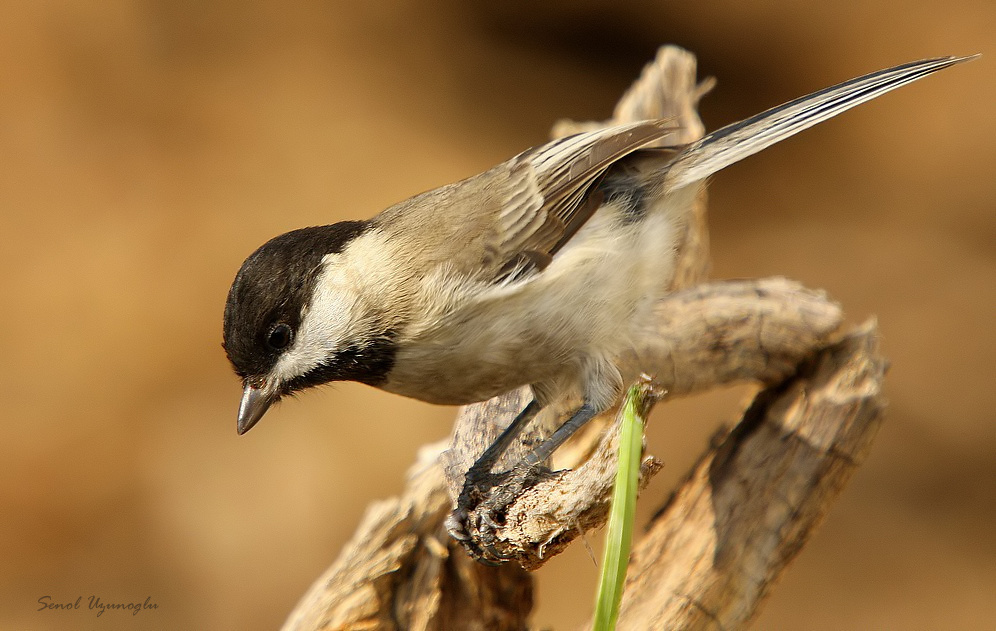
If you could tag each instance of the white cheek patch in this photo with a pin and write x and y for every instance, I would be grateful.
(335, 317)
(324, 323)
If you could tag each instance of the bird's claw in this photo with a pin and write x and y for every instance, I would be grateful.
(480, 515)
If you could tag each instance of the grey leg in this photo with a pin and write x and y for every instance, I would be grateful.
(504, 440)
(485, 498)
(584, 414)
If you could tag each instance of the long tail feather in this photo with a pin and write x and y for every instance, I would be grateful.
(735, 142)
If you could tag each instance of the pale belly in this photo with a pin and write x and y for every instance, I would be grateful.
(579, 313)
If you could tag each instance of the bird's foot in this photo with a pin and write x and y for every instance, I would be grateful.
(481, 512)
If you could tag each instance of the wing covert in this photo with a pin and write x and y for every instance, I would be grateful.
(548, 194)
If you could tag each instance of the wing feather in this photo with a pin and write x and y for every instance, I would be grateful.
(549, 192)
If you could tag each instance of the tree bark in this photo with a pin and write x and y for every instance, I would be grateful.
(710, 555)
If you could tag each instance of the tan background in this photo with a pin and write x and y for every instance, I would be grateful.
(147, 147)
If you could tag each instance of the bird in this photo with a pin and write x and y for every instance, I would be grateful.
(537, 272)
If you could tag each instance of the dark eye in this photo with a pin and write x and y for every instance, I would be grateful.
(279, 337)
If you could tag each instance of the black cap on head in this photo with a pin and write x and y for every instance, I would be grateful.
(272, 289)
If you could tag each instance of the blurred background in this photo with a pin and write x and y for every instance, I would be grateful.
(147, 147)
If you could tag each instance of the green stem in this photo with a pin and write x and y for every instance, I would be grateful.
(619, 536)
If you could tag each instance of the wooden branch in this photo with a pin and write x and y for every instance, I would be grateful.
(745, 510)
(402, 571)
(711, 555)
(711, 335)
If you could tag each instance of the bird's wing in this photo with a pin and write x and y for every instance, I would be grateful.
(548, 194)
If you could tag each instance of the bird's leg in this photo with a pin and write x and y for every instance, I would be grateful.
(479, 479)
(578, 420)
(485, 498)
(487, 461)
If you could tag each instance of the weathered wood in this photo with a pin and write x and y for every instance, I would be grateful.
(712, 554)
(707, 336)
(402, 571)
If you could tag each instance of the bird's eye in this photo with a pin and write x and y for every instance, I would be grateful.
(279, 337)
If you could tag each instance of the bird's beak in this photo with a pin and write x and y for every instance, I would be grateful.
(255, 402)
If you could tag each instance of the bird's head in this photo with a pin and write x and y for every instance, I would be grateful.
(293, 319)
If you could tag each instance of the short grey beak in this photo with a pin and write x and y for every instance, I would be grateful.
(255, 402)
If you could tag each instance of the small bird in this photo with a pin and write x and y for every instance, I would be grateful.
(540, 271)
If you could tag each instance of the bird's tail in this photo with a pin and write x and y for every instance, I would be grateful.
(735, 142)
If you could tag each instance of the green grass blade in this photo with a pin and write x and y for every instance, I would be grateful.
(619, 536)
